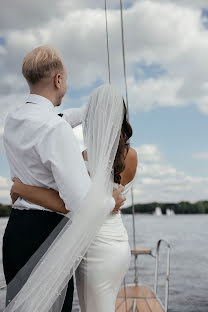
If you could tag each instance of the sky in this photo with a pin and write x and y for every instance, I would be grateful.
(166, 44)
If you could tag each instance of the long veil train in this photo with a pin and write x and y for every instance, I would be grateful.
(47, 273)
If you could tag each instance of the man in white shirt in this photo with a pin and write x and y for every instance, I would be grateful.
(42, 151)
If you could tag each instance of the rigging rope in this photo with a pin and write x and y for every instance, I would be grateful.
(127, 104)
(107, 41)
(123, 52)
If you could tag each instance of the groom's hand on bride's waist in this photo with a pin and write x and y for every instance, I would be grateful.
(119, 199)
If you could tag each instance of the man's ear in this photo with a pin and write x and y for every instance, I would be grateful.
(57, 81)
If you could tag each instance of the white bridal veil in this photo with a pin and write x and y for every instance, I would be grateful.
(47, 273)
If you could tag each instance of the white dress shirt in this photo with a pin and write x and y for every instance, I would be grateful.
(42, 151)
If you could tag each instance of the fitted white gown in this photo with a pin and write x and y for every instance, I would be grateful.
(100, 273)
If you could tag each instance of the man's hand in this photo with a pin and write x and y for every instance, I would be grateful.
(14, 190)
(119, 199)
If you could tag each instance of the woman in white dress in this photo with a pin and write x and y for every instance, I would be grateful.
(107, 260)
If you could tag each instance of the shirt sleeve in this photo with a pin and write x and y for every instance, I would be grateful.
(60, 153)
(74, 116)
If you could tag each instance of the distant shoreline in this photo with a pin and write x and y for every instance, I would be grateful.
(183, 207)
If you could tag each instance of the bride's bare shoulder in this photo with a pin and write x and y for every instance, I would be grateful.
(131, 162)
(131, 155)
(130, 166)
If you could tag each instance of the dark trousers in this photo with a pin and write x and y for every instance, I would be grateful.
(26, 230)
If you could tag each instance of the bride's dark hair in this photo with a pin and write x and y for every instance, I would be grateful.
(123, 147)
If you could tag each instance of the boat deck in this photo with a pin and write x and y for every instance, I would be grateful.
(141, 251)
(137, 299)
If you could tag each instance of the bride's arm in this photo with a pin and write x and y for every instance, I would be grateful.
(47, 198)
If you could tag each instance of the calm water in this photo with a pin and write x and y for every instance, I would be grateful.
(188, 236)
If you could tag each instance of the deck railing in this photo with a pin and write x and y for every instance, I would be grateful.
(167, 279)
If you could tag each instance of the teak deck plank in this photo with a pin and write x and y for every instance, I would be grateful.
(125, 306)
(119, 301)
(141, 251)
(154, 305)
(142, 306)
(145, 300)
(136, 292)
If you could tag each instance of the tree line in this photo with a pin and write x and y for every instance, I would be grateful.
(183, 207)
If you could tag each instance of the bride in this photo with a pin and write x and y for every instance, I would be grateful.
(106, 261)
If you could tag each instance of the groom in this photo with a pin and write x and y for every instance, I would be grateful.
(42, 151)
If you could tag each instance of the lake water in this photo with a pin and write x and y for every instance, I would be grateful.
(188, 236)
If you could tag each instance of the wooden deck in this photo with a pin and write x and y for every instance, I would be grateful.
(141, 298)
(141, 251)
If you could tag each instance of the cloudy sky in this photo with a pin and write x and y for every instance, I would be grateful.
(166, 53)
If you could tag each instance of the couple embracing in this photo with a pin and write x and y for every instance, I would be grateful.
(65, 218)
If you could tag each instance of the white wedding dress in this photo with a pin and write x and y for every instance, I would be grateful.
(100, 273)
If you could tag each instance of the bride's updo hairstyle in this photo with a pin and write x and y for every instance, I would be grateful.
(123, 147)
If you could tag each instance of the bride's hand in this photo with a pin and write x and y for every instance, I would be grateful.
(14, 190)
(119, 199)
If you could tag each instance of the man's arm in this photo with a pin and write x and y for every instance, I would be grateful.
(59, 152)
(74, 116)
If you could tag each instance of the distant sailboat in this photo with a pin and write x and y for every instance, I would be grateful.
(170, 212)
(158, 212)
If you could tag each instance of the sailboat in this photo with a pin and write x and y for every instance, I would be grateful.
(158, 212)
(169, 212)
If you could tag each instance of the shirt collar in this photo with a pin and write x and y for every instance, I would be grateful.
(40, 100)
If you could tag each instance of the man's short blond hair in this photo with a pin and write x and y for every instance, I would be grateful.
(42, 62)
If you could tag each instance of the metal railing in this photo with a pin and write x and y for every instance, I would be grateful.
(167, 279)
(156, 257)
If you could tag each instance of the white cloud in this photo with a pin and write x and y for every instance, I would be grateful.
(23, 13)
(187, 3)
(164, 92)
(154, 35)
(5, 185)
(1, 136)
(149, 153)
(200, 156)
(157, 180)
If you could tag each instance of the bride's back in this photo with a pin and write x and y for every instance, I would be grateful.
(128, 174)
(130, 167)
